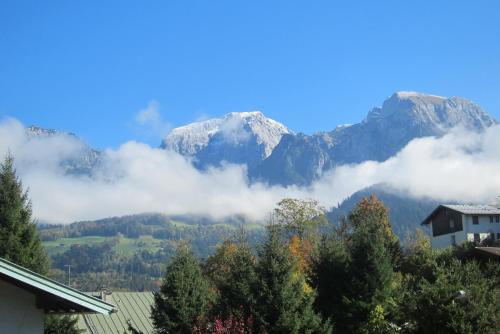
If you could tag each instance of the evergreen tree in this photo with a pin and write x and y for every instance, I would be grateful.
(460, 299)
(377, 324)
(184, 296)
(54, 324)
(371, 211)
(19, 239)
(284, 300)
(353, 272)
(331, 279)
(371, 274)
(232, 270)
(419, 259)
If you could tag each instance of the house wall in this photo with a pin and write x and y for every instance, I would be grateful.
(445, 240)
(484, 228)
(18, 312)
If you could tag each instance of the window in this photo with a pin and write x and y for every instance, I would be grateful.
(477, 238)
(492, 236)
(453, 240)
(497, 219)
(498, 236)
(452, 224)
(475, 220)
(491, 219)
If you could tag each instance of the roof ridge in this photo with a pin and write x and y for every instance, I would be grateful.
(48, 285)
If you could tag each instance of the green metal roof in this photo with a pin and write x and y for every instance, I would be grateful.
(51, 295)
(132, 306)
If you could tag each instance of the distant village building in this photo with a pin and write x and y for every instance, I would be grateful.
(455, 224)
(26, 296)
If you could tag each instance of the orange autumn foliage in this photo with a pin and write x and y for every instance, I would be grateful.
(301, 250)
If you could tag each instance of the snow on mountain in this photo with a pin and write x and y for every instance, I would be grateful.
(276, 155)
(189, 139)
(299, 159)
(79, 159)
(238, 137)
(35, 131)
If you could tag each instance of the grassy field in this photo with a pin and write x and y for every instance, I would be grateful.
(63, 244)
(125, 246)
(128, 246)
(203, 235)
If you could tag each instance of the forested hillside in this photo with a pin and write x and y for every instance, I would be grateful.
(131, 252)
(103, 253)
(405, 212)
(356, 278)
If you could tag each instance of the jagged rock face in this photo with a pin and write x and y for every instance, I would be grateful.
(274, 154)
(432, 111)
(295, 159)
(385, 131)
(82, 160)
(243, 138)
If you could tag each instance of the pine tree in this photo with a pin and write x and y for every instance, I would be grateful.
(331, 279)
(284, 300)
(371, 211)
(232, 270)
(184, 296)
(19, 239)
(372, 250)
(353, 272)
(56, 324)
(371, 274)
(459, 299)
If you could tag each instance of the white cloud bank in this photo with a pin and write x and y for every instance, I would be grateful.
(136, 178)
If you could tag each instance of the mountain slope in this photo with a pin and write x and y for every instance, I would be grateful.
(80, 159)
(243, 138)
(405, 212)
(299, 159)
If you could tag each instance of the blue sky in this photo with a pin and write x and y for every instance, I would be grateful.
(90, 66)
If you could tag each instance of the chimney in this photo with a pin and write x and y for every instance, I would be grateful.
(103, 293)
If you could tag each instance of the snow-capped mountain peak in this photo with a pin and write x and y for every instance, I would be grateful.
(251, 132)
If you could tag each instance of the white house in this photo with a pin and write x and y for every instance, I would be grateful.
(455, 224)
(26, 296)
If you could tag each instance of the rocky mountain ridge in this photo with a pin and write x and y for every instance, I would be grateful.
(274, 154)
(242, 138)
(82, 162)
(300, 158)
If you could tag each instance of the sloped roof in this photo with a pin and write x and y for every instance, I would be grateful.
(474, 209)
(52, 296)
(492, 251)
(132, 306)
(466, 209)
